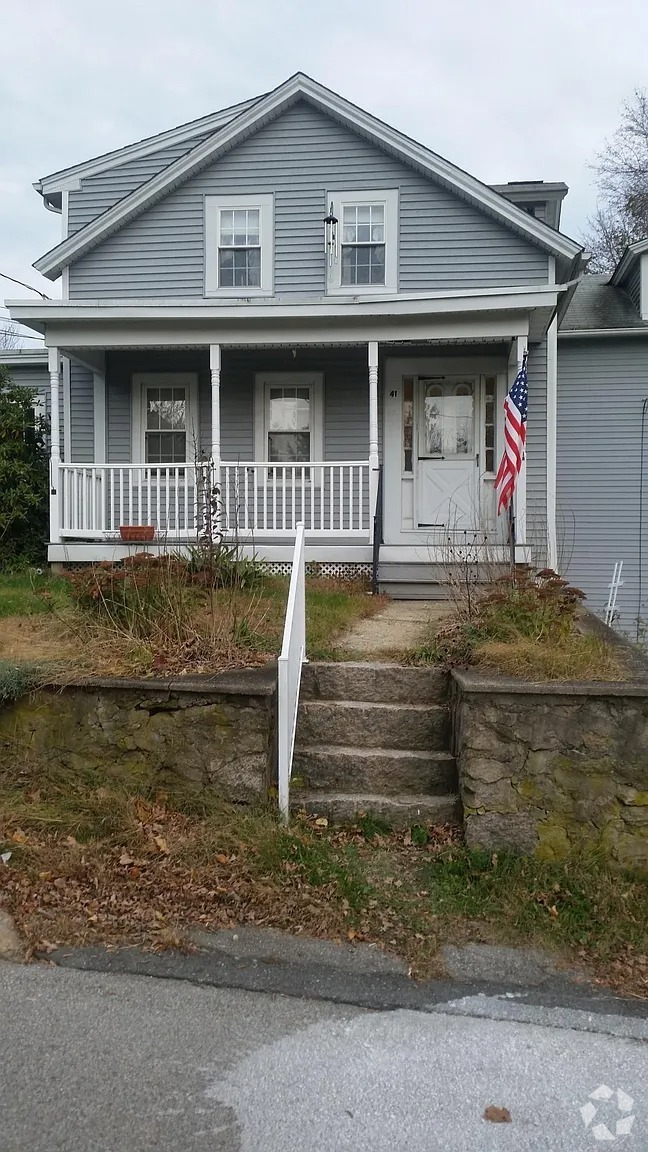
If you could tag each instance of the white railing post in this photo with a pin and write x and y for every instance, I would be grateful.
(289, 670)
(374, 462)
(55, 445)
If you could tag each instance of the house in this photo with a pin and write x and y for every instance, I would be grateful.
(327, 312)
(602, 438)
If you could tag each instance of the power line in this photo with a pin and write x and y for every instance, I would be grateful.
(18, 335)
(29, 287)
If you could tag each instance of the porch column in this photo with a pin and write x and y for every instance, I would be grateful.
(519, 347)
(55, 443)
(215, 372)
(374, 463)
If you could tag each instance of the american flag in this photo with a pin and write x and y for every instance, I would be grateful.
(515, 422)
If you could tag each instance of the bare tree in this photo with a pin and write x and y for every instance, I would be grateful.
(9, 334)
(621, 169)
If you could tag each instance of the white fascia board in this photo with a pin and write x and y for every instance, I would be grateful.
(524, 297)
(253, 118)
(70, 178)
(596, 333)
(440, 329)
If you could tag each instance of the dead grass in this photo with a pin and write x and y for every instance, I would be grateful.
(94, 864)
(574, 657)
(228, 628)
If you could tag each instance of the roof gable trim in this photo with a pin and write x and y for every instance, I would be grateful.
(67, 178)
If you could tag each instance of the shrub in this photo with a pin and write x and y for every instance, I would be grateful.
(139, 596)
(218, 565)
(24, 478)
(538, 607)
(526, 612)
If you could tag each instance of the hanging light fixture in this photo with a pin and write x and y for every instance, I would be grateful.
(331, 236)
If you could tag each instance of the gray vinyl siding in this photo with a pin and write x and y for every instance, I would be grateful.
(601, 385)
(537, 453)
(346, 397)
(99, 193)
(36, 378)
(444, 242)
(81, 414)
(633, 286)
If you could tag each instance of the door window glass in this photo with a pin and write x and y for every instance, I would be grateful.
(447, 425)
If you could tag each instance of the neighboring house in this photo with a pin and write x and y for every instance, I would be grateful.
(602, 482)
(30, 369)
(329, 311)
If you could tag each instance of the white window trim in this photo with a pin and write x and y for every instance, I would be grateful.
(388, 197)
(213, 206)
(142, 380)
(312, 380)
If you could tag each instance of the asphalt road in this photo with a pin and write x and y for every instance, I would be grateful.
(102, 1062)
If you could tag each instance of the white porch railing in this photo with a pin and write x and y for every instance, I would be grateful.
(253, 499)
(289, 670)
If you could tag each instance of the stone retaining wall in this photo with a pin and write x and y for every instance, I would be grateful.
(544, 768)
(215, 732)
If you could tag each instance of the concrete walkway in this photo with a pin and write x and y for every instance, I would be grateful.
(402, 625)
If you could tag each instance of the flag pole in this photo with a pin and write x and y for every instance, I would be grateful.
(511, 536)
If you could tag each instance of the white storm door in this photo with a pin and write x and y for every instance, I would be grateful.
(446, 457)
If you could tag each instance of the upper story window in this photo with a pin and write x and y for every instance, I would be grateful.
(239, 245)
(363, 244)
(366, 259)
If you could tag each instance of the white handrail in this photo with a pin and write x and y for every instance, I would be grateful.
(289, 670)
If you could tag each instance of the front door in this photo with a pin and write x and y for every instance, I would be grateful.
(446, 455)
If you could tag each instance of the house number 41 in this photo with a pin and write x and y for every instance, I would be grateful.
(394, 394)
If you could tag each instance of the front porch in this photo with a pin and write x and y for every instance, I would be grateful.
(250, 441)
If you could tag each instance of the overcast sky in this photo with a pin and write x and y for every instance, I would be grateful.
(506, 90)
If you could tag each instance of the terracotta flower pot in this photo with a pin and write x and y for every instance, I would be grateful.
(135, 533)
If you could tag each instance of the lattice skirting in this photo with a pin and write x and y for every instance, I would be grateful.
(325, 569)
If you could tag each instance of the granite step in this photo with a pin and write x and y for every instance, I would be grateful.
(373, 725)
(374, 683)
(401, 811)
(388, 771)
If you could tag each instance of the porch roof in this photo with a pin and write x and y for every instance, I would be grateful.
(491, 312)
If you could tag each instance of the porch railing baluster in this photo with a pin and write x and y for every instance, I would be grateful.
(257, 498)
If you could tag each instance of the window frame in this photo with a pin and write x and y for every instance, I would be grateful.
(143, 380)
(388, 198)
(213, 206)
(263, 382)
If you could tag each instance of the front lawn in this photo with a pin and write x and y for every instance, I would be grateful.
(155, 620)
(91, 862)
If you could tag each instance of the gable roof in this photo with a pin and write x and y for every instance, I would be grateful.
(599, 305)
(268, 108)
(50, 187)
(631, 254)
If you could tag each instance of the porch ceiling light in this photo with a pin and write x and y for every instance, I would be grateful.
(331, 235)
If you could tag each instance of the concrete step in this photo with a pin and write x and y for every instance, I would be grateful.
(412, 590)
(374, 683)
(388, 771)
(367, 725)
(397, 811)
